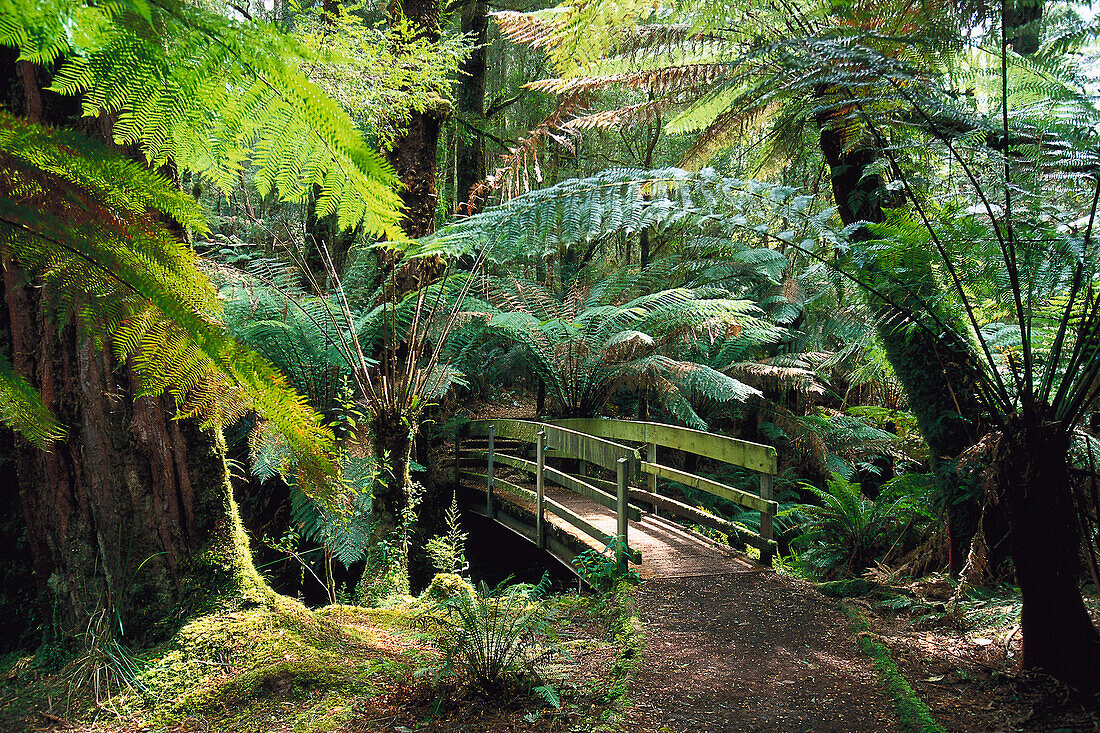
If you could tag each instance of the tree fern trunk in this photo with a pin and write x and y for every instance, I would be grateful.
(1033, 481)
(414, 150)
(387, 568)
(471, 159)
(936, 370)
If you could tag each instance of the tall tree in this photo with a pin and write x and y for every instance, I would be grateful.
(128, 509)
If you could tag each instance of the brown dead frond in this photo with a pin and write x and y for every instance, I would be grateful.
(659, 81)
(521, 163)
(525, 28)
(776, 378)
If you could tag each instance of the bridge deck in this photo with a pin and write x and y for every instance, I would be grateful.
(668, 551)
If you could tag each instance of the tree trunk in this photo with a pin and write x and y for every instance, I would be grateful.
(387, 570)
(1034, 485)
(414, 150)
(132, 512)
(935, 369)
(470, 156)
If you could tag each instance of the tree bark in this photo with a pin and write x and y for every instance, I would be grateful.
(1034, 485)
(415, 148)
(132, 512)
(387, 570)
(471, 157)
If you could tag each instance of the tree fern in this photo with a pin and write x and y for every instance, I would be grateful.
(601, 335)
(621, 201)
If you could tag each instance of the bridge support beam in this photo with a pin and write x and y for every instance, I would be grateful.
(766, 520)
(489, 477)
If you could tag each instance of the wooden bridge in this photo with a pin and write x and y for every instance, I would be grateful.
(574, 485)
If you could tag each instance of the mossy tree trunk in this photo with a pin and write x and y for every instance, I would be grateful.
(132, 513)
(391, 504)
(471, 160)
(415, 148)
(935, 369)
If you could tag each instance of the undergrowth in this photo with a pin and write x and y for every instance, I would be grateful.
(616, 611)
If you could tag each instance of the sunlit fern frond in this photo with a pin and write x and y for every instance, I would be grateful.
(212, 94)
(77, 215)
(628, 200)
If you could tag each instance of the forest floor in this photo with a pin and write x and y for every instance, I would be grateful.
(743, 652)
(761, 651)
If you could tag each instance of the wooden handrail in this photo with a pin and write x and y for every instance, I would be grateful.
(594, 440)
(754, 456)
(565, 443)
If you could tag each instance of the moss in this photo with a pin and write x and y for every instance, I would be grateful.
(913, 714)
(446, 585)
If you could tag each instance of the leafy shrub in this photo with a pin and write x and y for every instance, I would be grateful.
(602, 570)
(847, 531)
(499, 640)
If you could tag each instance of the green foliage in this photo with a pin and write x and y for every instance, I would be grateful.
(211, 94)
(605, 570)
(619, 331)
(76, 214)
(623, 201)
(447, 551)
(379, 75)
(102, 668)
(847, 531)
(497, 640)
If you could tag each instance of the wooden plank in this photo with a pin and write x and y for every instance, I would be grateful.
(754, 456)
(700, 517)
(686, 511)
(744, 498)
(651, 457)
(766, 553)
(540, 489)
(574, 484)
(577, 521)
(621, 515)
(489, 481)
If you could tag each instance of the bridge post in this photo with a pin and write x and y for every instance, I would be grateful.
(766, 520)
(651, 479)
(489, 476)
(540, 490)
(621, 504)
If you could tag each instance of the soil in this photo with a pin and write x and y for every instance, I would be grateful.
(758, 651)
(751, 651)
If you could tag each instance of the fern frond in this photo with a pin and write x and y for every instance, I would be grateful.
(65, 218)
(213, 95)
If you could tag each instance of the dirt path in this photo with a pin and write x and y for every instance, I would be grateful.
(751, 651)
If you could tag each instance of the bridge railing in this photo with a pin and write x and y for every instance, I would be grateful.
(754, 456)
(562, 442)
